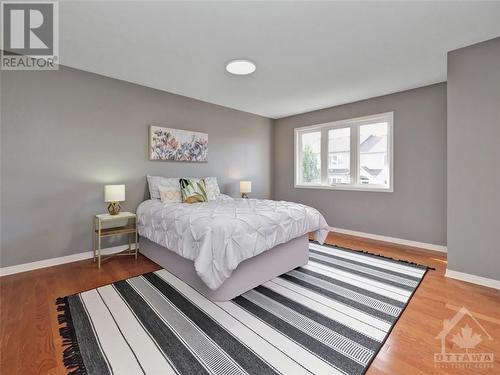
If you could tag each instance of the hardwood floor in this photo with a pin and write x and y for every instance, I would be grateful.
(30, 342)
(412, 343)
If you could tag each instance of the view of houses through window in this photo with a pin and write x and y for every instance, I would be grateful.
(339, 156)
(373, 152)
(356, 153)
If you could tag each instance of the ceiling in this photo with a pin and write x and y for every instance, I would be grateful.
(309, 55)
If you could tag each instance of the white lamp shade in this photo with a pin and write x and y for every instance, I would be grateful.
(245, 186)
(114, 193)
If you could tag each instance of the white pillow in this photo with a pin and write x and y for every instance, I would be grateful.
(155, 182)
(212, 186)
(170, 194)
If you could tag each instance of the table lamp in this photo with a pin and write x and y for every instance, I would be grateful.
(245, 188)
(114, 194)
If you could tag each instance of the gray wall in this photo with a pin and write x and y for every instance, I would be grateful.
(67, 133)
(416, 210)
(474, 159)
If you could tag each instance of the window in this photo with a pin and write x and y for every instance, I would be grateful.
(339, 156)
(353, 154)
(310, 151)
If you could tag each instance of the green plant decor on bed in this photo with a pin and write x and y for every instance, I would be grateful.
(193, 190)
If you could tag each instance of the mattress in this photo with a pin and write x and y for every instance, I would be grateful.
(218, 235)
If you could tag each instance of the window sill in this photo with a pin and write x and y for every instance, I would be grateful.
(347, 187)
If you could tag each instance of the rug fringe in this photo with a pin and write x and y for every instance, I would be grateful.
(72, 357)
(378, 255)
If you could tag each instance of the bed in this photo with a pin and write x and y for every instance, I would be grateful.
(227, 246)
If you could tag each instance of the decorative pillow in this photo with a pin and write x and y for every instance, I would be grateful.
(193, 190)
(155, 182)
(170, 194)
(212, 188)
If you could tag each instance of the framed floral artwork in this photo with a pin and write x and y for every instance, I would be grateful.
(177, 145)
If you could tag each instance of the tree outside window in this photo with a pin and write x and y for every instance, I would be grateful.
(310, 165)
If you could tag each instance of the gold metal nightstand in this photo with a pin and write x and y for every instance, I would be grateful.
(125, 223)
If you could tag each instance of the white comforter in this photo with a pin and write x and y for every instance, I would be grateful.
(220, 234)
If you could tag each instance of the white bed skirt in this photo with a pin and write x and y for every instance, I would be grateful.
(249, 274)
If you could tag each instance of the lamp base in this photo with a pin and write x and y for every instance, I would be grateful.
(114, 208)
(244, 195)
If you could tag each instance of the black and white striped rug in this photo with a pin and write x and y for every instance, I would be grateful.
(329, 317)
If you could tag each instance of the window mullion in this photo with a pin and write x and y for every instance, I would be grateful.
(354, 155)
(298, 169)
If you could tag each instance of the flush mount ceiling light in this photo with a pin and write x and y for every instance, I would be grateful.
(240, 67)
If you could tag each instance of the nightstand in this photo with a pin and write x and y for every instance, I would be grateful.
(105, 225)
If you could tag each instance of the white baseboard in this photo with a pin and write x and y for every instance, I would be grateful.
(399, 241)
(462, 276)
(4, 271)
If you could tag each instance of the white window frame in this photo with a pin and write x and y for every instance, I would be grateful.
(354, 125)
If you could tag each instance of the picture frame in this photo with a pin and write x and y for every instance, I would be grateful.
(177, 144)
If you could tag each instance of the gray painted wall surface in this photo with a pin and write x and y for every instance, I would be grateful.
(474, 159)
(416, 210)
(67, 133)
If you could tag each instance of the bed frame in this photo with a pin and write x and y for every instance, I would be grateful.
(249, 273)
